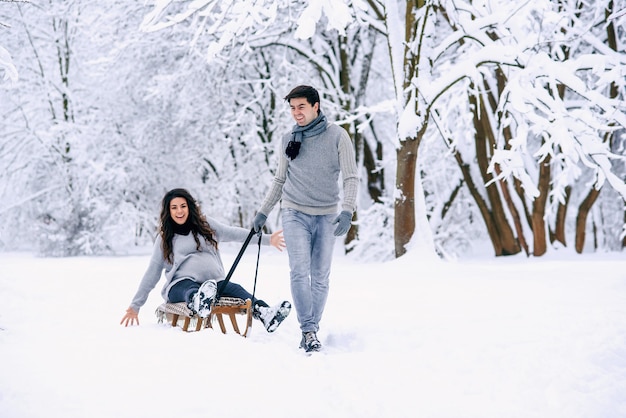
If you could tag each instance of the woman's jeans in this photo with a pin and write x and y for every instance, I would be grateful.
(184, 290)
(310, 240)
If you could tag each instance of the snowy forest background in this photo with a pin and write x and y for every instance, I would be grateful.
(485, 121)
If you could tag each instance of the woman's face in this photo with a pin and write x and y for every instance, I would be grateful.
(179, 211)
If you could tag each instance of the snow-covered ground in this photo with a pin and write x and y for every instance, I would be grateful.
(508, 337)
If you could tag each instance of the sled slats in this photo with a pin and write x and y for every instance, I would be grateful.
(175, 312)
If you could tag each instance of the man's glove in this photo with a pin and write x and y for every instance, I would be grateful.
(259, 221)
(344, 219)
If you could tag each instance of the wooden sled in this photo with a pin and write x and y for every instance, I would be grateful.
(178, 314)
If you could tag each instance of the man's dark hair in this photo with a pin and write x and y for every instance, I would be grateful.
(309, 93)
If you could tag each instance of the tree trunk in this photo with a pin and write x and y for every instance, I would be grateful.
(346, 104)
(509, 243)
(514, 212)
(581, 219)
(587, 203)
(404, 225)
(375, 175)
(559, 225)
(478, 199)
(448, 204)
(352, 233)
(539, 209)
(406, 165)
(501, 81)
(486, 214)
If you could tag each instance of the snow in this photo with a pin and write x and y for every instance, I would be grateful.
(337, 12)
(478, 337)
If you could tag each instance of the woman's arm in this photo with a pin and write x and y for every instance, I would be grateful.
(227, 233)
(149, 280)
(130, 317)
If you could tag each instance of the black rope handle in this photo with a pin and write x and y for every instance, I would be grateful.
(224, 282)
(256, 271)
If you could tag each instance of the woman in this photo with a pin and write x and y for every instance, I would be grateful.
(187, 249)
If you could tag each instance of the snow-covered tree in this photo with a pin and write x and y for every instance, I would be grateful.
(543, 109)
(515, 104)
(8, 72)
(471, 119)
(336, 58)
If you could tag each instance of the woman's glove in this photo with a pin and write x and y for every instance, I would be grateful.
(259, 221)
(344, 219)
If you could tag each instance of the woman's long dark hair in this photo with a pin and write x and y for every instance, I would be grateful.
(197, 223)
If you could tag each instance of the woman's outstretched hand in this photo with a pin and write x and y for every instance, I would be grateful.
(131, 317)
(277, 240)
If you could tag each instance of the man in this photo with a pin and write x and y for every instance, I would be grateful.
(311, 158)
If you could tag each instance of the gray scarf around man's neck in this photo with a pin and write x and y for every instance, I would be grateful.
(316, 127)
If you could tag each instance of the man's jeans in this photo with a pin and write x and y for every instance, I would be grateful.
(310, 240)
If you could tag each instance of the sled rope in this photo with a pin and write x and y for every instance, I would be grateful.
(237, 259)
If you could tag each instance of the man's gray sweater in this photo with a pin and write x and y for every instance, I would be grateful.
(310, 182)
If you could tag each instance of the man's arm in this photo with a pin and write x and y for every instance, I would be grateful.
(276, 189)
(349, 172)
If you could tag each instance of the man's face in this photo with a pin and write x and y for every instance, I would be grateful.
(302, 111)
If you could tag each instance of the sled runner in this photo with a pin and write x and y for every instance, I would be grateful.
(178, 314)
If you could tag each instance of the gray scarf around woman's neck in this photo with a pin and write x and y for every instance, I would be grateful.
(316, 127)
